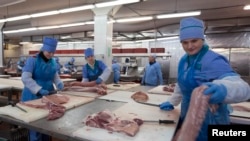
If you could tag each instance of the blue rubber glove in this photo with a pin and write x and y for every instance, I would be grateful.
(98, 81)
(60, 86)
(167, 106)
(218, 92)
(43, 92)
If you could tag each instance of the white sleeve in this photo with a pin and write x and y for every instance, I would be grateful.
(176, 97)
(57, 79)
(30, 83)
(105, 74)
(237, 89)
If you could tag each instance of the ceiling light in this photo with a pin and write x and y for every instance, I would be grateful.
(147, 40)
(48, 27)
(79, 8)
(44, 14)
(18, 18)
(247, 7)
(27, 29)
(134, 19)
(2, 20)
(90, 22)
(168, 38)
(70, 25)
(185, 14)
(113, 3)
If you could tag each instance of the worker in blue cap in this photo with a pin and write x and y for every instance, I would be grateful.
(201, 66)
(39, 75)
(94, 71)
(20, 64)
(58, 65)
(152, 75)
(116, 70)
(69, 67)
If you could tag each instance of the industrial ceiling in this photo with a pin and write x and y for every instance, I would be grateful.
(222, 16)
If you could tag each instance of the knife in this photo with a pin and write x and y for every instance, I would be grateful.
(161, 121)
(151, 104)
(20, 108)
(52, 92)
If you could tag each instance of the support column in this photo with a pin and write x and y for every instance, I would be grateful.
(1, 45)
(103, 34)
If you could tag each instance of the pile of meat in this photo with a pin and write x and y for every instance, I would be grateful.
(53, 104)
(169, 88)
(240, 108)
(107, 120)
(140, 96)
(100, 89)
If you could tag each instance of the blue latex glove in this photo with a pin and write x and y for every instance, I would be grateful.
(167, 106)
(98, 81)
(218, 92)
(60, 86)
(43, 92)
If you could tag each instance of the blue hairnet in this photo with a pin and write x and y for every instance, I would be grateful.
(49, 44)
(89, 52)
(191, 28)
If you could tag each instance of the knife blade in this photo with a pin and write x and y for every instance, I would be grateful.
(13, 104)
(151, 104)
(52, 92)
(161, 121)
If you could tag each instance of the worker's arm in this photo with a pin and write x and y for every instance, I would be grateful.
(27, 79)
(237, 89)
(105, 74)
(176, 97)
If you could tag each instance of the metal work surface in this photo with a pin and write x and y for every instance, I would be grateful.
(72, 120)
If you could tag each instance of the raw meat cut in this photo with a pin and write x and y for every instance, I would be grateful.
(140, 96)
(107, 120)
(195, 116)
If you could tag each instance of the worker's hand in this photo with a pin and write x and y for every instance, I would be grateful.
(218, 92)
(43, 92)
(60, 86)
(167, 106)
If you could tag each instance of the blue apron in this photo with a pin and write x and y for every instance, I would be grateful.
(43, 74)
(187, 82)
(94, 73)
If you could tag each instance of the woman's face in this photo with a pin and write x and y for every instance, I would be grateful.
(48, 55)
(192, 46)
(91, 59)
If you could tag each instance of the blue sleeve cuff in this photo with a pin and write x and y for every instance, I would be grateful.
(98, 81)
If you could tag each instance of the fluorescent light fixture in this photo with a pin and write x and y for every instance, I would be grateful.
(47, 27)
(168, 38)
(134, 19)
(117, 2)
(48, 13)
(20, 30)
(79, 8)
(2, 20)
(90, 22)
(10, 31)
(70, 25)
(124, 42)
(175, 15)
(27, 29)
(148, 40)
(247, 7)
(18, 18)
